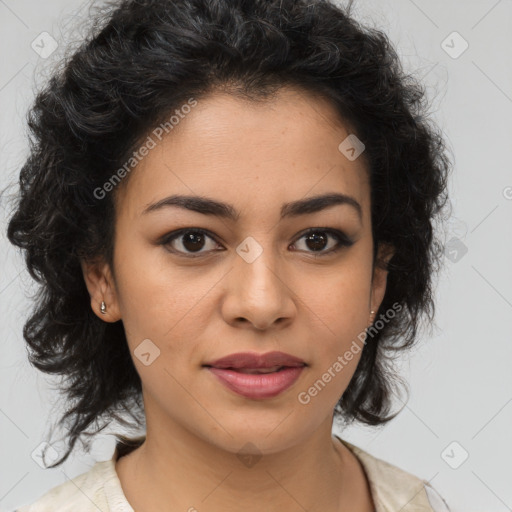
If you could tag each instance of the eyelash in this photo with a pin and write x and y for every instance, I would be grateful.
(343, 240)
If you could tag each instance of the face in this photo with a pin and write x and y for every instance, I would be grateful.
(256, 281)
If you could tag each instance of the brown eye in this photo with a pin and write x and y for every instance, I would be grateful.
(190, 241)
(317, 239)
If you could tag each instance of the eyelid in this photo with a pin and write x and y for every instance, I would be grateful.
(342, 238)
(173, 235)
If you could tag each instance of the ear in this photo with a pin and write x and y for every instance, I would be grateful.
(384, 254)
(100, 284)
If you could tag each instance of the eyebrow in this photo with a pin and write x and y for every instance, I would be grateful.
(208, 206)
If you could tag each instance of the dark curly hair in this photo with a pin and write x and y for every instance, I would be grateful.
(140, 61)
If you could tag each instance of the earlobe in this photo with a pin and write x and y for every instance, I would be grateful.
(101, 287)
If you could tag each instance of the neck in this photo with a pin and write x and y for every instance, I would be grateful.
(185, 472)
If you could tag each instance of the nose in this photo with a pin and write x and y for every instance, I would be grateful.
(259, 293)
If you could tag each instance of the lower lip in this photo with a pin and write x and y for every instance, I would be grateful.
(258, 385)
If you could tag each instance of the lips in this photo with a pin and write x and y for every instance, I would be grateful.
(257, 376)
(250, 362)
(257, 387)
(258, 370)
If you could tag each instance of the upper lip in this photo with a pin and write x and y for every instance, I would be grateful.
(255, 360)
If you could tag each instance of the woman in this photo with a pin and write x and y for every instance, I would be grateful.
(229, 205)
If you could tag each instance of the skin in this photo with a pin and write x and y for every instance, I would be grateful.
(254, 156)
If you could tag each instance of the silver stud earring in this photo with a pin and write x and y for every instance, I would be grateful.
(103, 307)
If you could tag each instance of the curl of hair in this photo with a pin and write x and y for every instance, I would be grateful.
(142, 60)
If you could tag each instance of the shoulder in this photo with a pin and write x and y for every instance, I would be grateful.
(86, 492)
(394, 489)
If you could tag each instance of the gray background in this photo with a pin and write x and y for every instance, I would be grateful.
(459, 376)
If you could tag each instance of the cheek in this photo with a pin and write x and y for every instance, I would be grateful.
(151, 293)
(338, 302)
(337, 309)
(171, 307)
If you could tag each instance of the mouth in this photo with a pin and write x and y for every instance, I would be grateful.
(252, 362)
(273, 369)
(257, 383)
(258, 370)
(257, 376)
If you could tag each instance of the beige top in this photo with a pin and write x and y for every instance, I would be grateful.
(392, 489)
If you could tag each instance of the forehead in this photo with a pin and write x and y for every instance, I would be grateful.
(254, 155)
